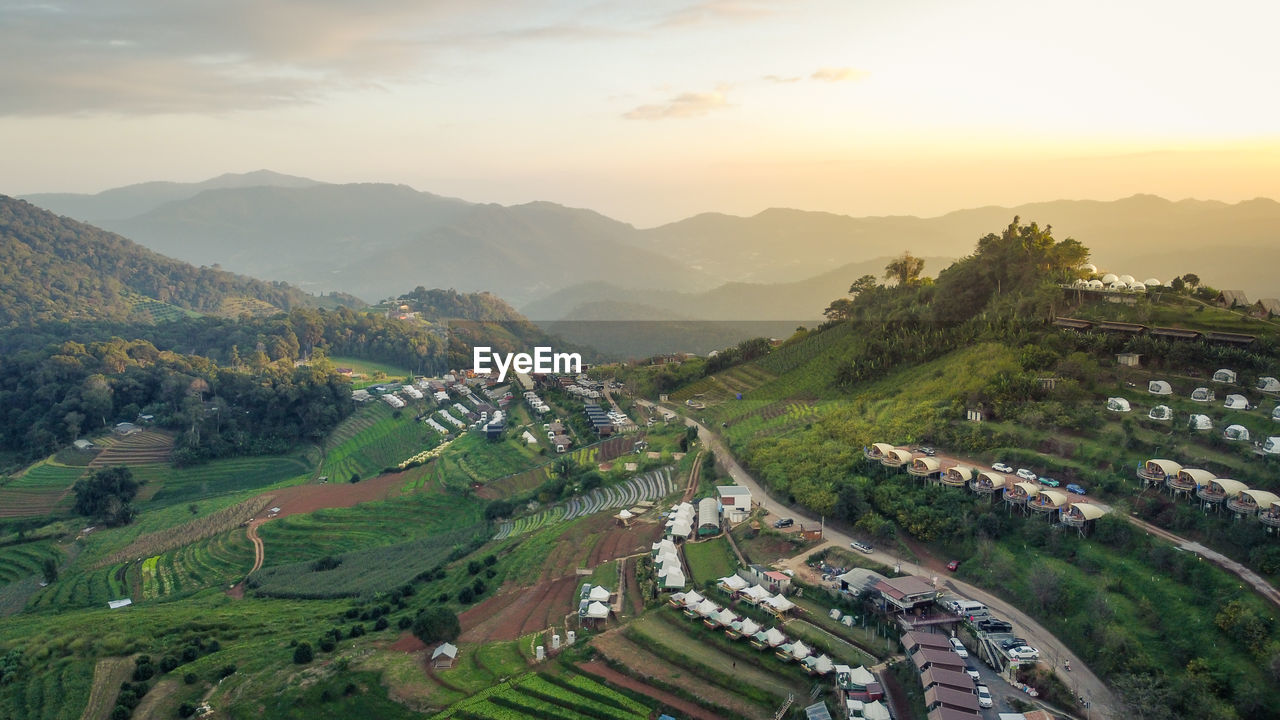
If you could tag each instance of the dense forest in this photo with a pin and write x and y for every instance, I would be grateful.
(54, 268)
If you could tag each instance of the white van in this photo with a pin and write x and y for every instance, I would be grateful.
(969, 608)
(860, 546)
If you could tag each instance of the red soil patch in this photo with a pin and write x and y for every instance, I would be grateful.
(613, 677)
(408, 643)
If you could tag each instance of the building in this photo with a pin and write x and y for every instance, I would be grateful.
(736, 501)
(443, 656)
(1231, 298)
(905, 593)
(1129, 359)
(708, 517)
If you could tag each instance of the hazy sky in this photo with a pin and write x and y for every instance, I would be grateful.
(650, 111)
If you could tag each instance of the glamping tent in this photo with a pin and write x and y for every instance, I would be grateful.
(1137, 287)
(1159, 387)
(598, 594)
(1157, 469)
(1202, 395)
(597, 611)
(1225, 376)
(1152, 283)
(1275, 414)
(1219, 489)
(820, 665)
(1236, 402)
(1251, 501)
(1089, 268)
(1096, 284)
(1109, 278)
(1118, 404)
(1269, 385)
(1236, 432)
(1117, 285)
(1160, 412)
(1200, 422)
(1271, 446)
(1127, 279)
(878, 451)
(733, 584)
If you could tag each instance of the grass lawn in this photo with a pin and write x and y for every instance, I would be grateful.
(372, 372)
(710, 560)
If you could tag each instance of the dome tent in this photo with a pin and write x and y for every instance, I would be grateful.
(1236, 432)
(1275, 414)
(1126, 279)
(1118, 404)
(1236, 402)
(1089, 268)
(1271, 446)
(1159, 387)
(1269, 385)
(1096, 284)
(1225, 376)
(1201, 394)
(1152, 283)
(1109, 278)
(1200, 422)
(1160, 412)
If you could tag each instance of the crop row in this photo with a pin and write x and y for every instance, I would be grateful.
(21, 561)
(649, 486)
(547, 697)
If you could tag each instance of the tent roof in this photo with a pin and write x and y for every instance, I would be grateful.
(1029, 488)
(750, 627)
(861, 676)
(1168, 467)
(691, 599)
(875, 710)
(673, 578)
(900, 454)
(625, 514)
(733, 582)
(779, 603)
(1088, 511)
(883, 448)
(962, 470)
(757, 593)
(707, 608)
(774, 636)
(1199, 476)
(1057, 498)
(800, 650)
(598, 593)
(927, 463)
(597, 610)
(1230, 487)
(447, 649)
(997, 480)
(1262, 498)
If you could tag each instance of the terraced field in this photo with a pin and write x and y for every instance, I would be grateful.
(536, 695)
(41, 489)
(150, 447)
(57, 695)
(22, 561)
(167, 485)
(373, 439)
(649, 486)
(513, 484)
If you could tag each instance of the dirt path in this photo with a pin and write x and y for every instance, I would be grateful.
(694, 474)
(1264, 588)
(107, 676)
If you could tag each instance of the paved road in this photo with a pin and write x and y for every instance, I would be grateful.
(1103, 701)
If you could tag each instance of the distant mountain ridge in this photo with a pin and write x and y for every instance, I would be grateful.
(56, 269)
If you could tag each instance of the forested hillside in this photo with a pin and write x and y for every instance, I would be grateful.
(54, 268)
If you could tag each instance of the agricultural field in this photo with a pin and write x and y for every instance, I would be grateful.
(472, 458)
(336, 531)
(150, 447)
(652, 485)
(41, 489)
(167, 485)
(367, 372)
(374, 439)
(26, 559)
(537, 695)
(709, 560)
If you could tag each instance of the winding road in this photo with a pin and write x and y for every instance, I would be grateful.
(1103, 702)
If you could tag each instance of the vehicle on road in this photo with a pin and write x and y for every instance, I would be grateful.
(984, 697)
(1026, 474)
(953, 565)
(784, 522)
(1001, 467)
(959, 647)
(993, 625)
(861, 547)
(1076, 489)
(1012, 643)
(1023, 652)
(928, 451)
(972, 672)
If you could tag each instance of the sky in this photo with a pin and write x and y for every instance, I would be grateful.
(652, 111)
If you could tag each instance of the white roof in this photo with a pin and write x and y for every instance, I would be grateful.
(597, 610)
(706, 608)
(779, 603)
(674, 578)
(1201, 422)
(774, 637)
(757, 593)
(598, 594)
(800, 651)
(733, 582)
(861, 676)
(725, 616)
(691, 599)
(821, 664)
(664, 544)
(875, 710)
(1236, 402)
(1118, 404)
(113, 604)
(625, 514)
(750, 627)
(1159, 387)
(448, 650)
(1236, 432)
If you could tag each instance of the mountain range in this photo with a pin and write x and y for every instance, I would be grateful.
(555, 262)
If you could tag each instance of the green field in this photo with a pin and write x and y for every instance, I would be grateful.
(535, 695)
(25, 560)
(709, 560)
(373, 439)
(373, 372)
(167, 485)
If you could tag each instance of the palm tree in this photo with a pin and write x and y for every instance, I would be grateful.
(906, 269)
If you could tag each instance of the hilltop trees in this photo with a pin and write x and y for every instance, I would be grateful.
(905, 269)
(106, 495)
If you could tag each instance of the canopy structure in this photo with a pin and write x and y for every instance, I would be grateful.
(858, 677)
(800, 651)
(961, 473)
(756, 594)
(1118, 404)
(597, 611)
(897, 456)
(1224, 376)
(875, 710)
(779, 604)
(1126, 279)
(748, 627)
(1253, 500)
(1269, 385)
(1161, 469)
(1222, 489)
(1159, 387)
(1236, 402)
(1237, 433)
(772, 637)
(1152, 283)
(1271, 446)
(992, 479)
(706, 608)
(878, 451)
(1201, 394)
(725, 617)
(1096, 284)
(1026, 489)
(625, 514)
(1160, 412)
(1195, 475)
(925, 466)
(733, 584)
(1086, 511)
(598, 594)
(691, 599)
(673, 579)
(820, 665)
(1137, 287)
(1200, 422)
(1051, 500)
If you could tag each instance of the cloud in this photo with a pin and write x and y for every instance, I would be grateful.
(781, 79)
(684, 105)
(716, 11)
(838, 74)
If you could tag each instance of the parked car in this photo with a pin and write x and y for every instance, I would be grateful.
(928, 451)
(1023, 652)
(959, 647)
(1012, 643)
(953, 565)
(984, 697)
(784, 522)
(1026, 474)
(972, 672)
(993, 625)
(861, 547)
(1076, 489)
(1001, 467)
(1049, 481)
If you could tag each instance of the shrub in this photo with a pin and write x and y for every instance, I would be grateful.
(404, 623)
(120, 712)
(190, 678)
(168, 663)
(191, 652)
(186, 710)
(226, 671)
(381, 624)
(143, 672)
(356, 631)
(435, 625)
(303, 654)
(466, 595)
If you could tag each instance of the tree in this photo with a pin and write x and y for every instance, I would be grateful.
(436, 625)
(105, 495)
(905, 268)
(1192, 280)
(49, 568)
(303, 654)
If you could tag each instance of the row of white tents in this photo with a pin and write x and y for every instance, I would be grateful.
(1239, 497)
(670, 571)
(714, 616)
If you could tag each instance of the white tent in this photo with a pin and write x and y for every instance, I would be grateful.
(875, 710)
(749, 627)
(674, 578)
(1202, 395)
(1137, 287)
(1089, 268)
(800, 651)
(1117, 285)
(725, 617)
(1275, 414)
(691, 599)
(625, 514)
(1160, 412)
(1159, 387)
(663, 544)
(779, 603)
(756, 594)
(1127, 279)
(1117, 404)
(706, 608)
(861, 677)
(1269, 384)
(820, 665)
(1200, 422)
(1109, 278)
(772, 637)
(1236, 432)
(1224, 376)
(733, 583)
(597, 611)
(598, 594)
(1096, 285)
(1271, 446)
(1236, 402)
(1152, 282)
